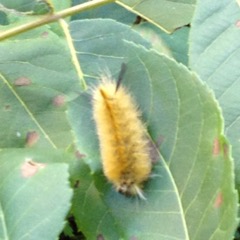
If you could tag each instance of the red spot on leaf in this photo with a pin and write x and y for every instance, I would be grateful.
(153, 152)
(45, 34)
(32, 138)
(79, 155)
(30, 168)
(159, 141)
(219, 200)
(59, 100)
(226, 151)
(22, 81)
(238, 24)
(100, 237)
(216, 147)
(133, 238)
(7, 107)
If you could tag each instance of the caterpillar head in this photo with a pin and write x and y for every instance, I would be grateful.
(130, 189)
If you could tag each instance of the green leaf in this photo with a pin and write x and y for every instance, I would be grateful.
(59, 5)
(29, 6)
(3, 18)
(90, 212)
(37, 78)
(117, 33)
(43, 7)
(34, 194)
(190, 194)
(111, 10)
(174, 45)
(20, 5)
(214, 55)
(166, 14)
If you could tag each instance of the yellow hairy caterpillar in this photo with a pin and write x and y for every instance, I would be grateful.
(123, 143)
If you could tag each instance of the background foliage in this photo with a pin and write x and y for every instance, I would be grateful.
(186, 85)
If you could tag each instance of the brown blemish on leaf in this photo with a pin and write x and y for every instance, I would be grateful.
(225, 151)
(154, 148)
(32, 138)
(79, 155)
(219, 200)
(153, 152)
(30, 168)
(76, 184)
(59, 100)
(22, 81)
(133, 238)
(216, 147)
(44, 34)
(159, 141)
(139, 20)
(100, 237)
(238, 24)
(7, 107)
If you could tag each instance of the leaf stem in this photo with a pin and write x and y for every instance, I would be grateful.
(53, 17)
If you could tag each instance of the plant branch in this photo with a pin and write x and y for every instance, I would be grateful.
(53, 17)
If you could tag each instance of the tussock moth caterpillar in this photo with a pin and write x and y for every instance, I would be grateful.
(124, 147)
